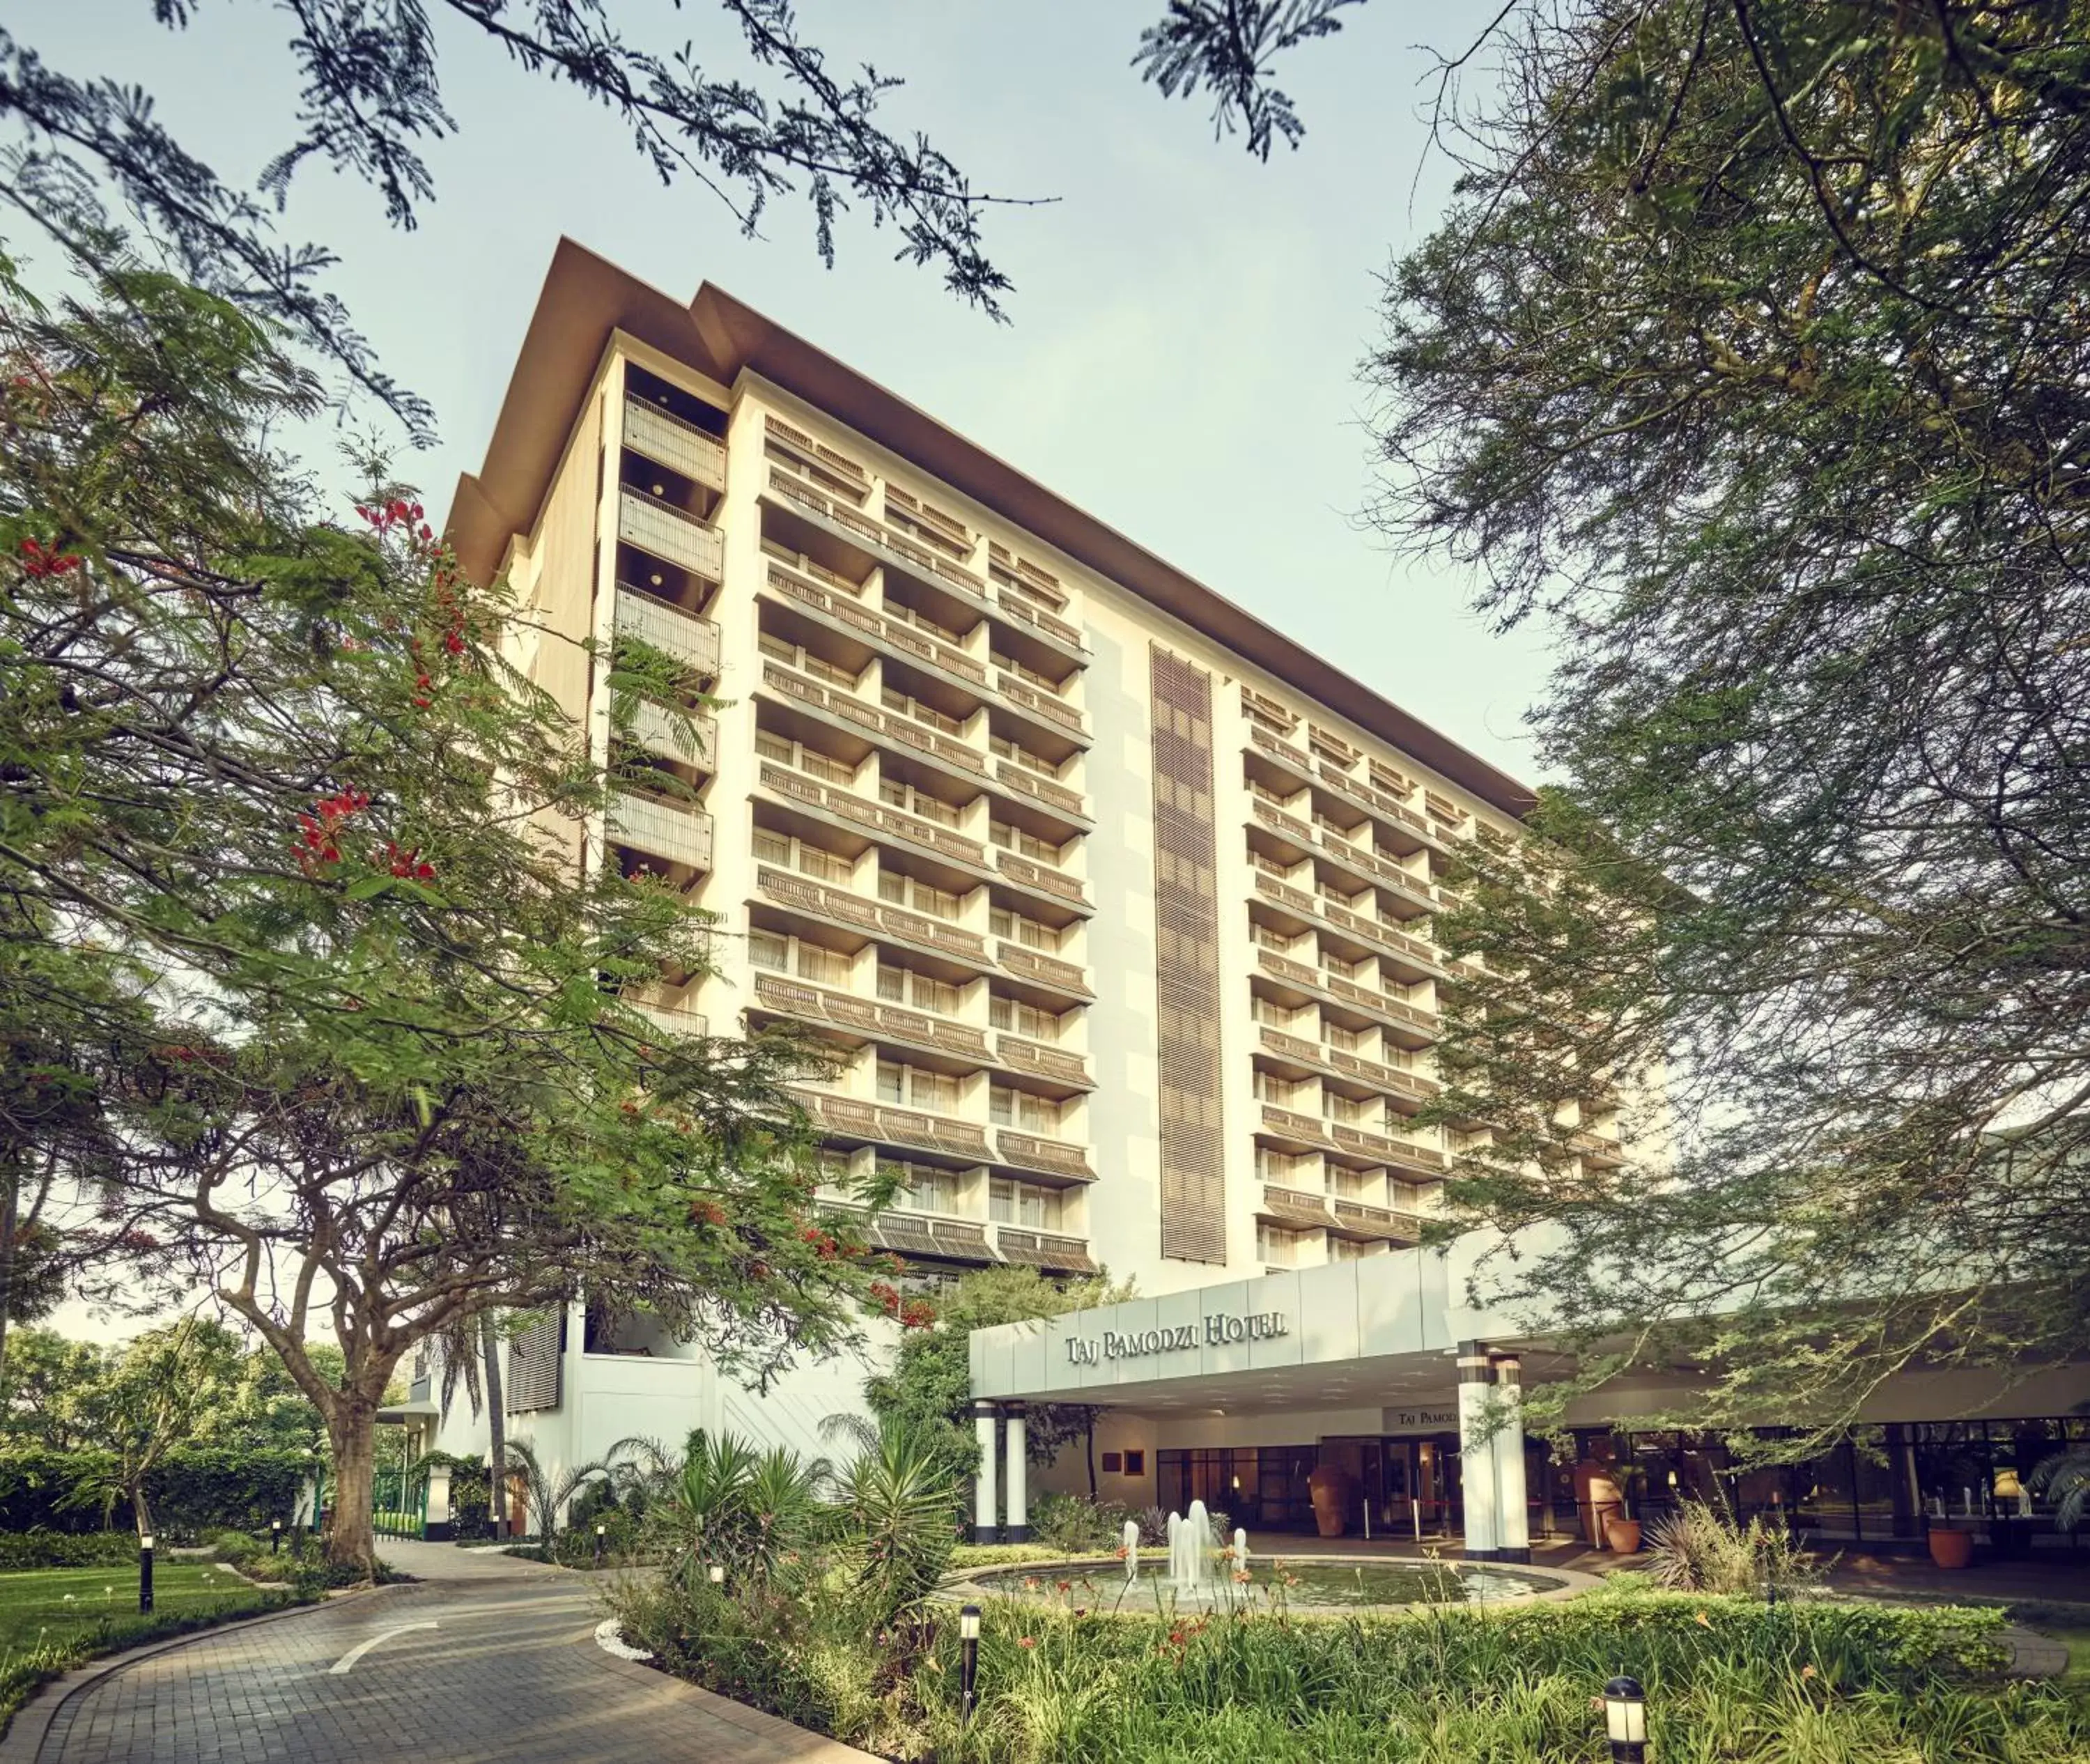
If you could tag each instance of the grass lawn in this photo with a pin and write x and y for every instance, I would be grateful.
(54, 1618)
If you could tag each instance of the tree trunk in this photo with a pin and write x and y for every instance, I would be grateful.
(1089, 1433)
(496, 1418)
(10, 1223)
(141, 1509)
(351, 1541)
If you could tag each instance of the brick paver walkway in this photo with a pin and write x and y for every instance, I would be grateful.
(511, 1672)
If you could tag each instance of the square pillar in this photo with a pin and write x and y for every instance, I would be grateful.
(1476, 1455)
(984, 1502)
(1016, 1471)
(436, 1526)
(1513, 1504)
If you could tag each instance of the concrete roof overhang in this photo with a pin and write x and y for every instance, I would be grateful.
(586, 300)
(1380, 1331)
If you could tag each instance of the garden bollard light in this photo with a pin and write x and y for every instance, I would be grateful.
(145, 1575)
(600, 1530)
(1625, 1720)
(275, 1537)
(968, 1659)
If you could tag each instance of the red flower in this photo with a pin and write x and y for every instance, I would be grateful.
(38, 562)
(1026, 1642)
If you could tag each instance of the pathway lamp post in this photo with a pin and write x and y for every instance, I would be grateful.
(145, 1574)
(1625, 1720)
(275, 1537)
(968, 1660)
(600, 1532)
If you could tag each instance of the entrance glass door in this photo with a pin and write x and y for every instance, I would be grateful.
(1421, 1485)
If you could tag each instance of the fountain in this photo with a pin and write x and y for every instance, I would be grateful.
(1129, 1536)
(1190, 1549)
(1240, 1554)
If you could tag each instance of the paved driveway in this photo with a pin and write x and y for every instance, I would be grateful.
(510, 1671)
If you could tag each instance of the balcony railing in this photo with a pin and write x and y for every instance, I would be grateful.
(681, 446)
(868, 1016)
(677, 1019)
(892, 1125)
(656, 730)
(847, 908)
(1367, 927)
(1052, 1251)
(1045, 971)
(1301, 1208)
(690, 639)
(792, 436)
(1387, 1078)
(680, 832)
(1314, 1130)
(1055, 1157)
(1042, 702)
(1020, 611)
(874, 817)
(1032, 1056)
(1049, 791)
(896, 545)
(1026, 874)
(670, 533)
(834, 604)
(901, 731)
(1281, 820)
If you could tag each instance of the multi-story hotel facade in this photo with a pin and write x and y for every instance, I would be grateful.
(1115, 903)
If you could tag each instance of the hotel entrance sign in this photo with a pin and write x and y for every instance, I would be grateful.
(1422, 1421)
(1220, 1329)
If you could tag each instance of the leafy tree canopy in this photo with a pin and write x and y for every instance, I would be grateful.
(1752, 355)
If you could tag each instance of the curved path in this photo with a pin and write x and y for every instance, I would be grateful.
(484, 1657)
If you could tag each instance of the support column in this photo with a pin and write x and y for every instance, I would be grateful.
(1512, 1503)
(984, 1503)
(1477, 1457)
(1017, 1530)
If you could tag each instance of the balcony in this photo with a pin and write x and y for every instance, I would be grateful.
(878, 819)
(1403, 882)
(1027, 1152)
(671, 534)
(1300, 1210)
(677, 1019)
(1290, 1124)
(1048, 791)
(1408, 1019)
(837, 602)
(818, 455)
(1041, 879)
(1039, 623)
(870, 1017)
(1053, 1251)
(1043, 971)
(691, 639)
(887, 725)
(679, 445)
(677, 831)
(1019, 1055)
(655, 730)
(884, 1123)
(842, 906)
(1040, 702)
(889, 543)
(1367, 927)
(945, 1240)
(1373, 1072)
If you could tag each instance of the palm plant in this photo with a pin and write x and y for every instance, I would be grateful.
(2065, 1479)
(545, 1491)
(701, 1516)
(900, 1503)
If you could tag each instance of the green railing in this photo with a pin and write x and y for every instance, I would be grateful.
(400, 1508)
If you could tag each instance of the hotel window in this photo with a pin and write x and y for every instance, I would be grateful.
(1284, 1093)
(1013, 927)
(793, 656)
(1286, 1169)
(1262, 793)
(1277, 1247)
(1264, 937)
(1028, 844)
(1026, 1204)
(904, 986)
(915, 1087)
(766, 949)
(1359, 971)
(924, 1189)
(809, 760)
(923, 897)
(1010, 664)
(1347, 1040)
(904, 796)
(1345, 1184)
(1346, 1249)
(808, 961)
(1021, 1019)
(1007, 1107)
(919, 712)
(1348, 1111)
(1017, 754)
(921, 621)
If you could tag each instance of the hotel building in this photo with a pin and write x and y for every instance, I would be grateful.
(1115, 902)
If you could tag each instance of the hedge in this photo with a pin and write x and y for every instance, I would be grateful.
(193, 1491)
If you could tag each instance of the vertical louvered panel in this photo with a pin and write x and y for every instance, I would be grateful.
(1186, 915)
(534, 1360)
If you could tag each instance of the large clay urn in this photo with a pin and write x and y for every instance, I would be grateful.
(1598, 1500)
(1329, 1488)
(1950, 1548)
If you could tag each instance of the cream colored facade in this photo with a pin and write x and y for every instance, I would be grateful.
(1114, 905)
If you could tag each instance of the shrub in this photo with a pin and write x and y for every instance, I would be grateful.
(194, 1489)
(1076, 1524)
(66, 1549)
(1700, 1549)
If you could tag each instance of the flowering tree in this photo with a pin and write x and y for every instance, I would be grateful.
(281, 821)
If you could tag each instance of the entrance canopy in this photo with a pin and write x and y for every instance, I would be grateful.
(1384, 1330)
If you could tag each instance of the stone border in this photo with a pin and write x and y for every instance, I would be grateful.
(791, 1744)
(29, 1725)
(1573, 1583)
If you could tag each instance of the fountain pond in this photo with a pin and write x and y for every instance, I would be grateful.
(1303, 1585)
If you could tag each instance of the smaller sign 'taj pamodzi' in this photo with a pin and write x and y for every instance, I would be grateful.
(1220, 1330)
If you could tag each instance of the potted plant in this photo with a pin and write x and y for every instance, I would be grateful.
(1949, 1548)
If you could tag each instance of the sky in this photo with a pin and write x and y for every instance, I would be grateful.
(1182, 354)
